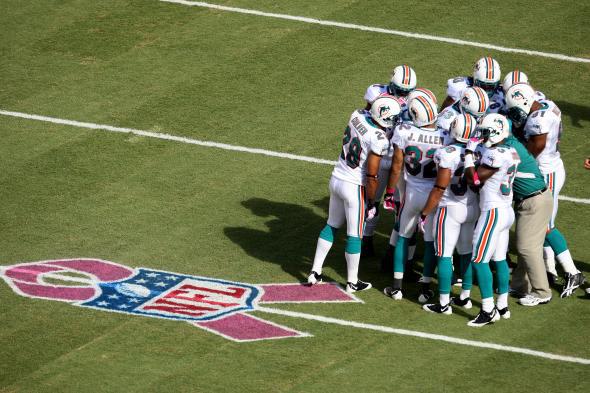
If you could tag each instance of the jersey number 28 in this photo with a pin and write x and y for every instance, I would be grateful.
(351, 149)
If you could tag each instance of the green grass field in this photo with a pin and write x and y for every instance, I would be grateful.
(263, 83)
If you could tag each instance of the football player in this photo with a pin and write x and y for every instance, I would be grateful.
(403, 82)
(355, 172)
(393, 196)
(517, 76)
(414, 143)
(538, 123)
(474, 101)
(455, 218)
(495, 174)
(486, 74)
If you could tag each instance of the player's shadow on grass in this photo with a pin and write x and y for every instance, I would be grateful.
(575, 112)
(290, 238)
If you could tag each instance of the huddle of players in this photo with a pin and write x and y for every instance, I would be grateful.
(448, 175)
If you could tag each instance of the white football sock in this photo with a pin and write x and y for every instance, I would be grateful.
(352, 267)
(487, 304)
(398, 275)
(502, 301)
(465, 293)
(566, 262)
(444, 299)
(549, 257)
(321, 252)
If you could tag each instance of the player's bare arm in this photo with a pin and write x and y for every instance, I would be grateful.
(443, 180)
(396, 167)
(536, 144)
(373, 161)
(447, 102)
(482, 173)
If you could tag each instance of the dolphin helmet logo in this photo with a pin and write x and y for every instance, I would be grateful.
(517, 95)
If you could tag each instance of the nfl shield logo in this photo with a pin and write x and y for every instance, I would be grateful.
(175, 296)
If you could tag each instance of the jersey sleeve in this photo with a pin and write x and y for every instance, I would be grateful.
(446, 118)
(447, 157)
(373, 92)
(536, 125)
(492, 158)
(379, 144)
(397, 138)
(456, 86)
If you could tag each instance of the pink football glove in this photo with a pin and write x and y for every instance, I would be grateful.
(422, 224)
(388, 201)
(472, 144)
(371, 211)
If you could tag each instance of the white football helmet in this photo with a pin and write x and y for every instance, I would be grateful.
(422, 111)
(420, 91)
(385, 111)
(519, 99)
(463, 127)
(512, 78)
(486, 74)
(403, 80)
(494, 128)
(475, 101)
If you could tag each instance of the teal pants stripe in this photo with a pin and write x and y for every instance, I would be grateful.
(466, 271)
(400, 254)
(445, 274)
(556, 240)
(353, 245)
(484, 279)
(502, 276)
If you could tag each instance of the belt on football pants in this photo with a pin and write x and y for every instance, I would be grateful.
(534, 194)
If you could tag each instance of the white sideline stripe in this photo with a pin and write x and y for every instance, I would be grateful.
(158, 135)
(380, 30)
(190, 141)
(430, 336)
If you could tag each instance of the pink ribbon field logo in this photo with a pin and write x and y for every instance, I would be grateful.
(219, 306)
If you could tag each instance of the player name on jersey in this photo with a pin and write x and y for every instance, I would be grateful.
(426, 139)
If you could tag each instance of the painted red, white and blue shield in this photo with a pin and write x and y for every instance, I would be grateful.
(219, 306)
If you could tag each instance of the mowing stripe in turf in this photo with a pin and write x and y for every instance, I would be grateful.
(406, 34)
(181, 139)
(379, 328)
(430, 336)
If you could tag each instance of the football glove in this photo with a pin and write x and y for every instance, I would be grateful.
(472, 144)
(371, 211)
(388, 201)
(422, 223)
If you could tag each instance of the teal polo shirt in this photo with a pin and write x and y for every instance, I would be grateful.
(528, 178)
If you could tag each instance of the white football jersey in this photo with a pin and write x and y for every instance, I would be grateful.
(376, 90)
(446, 117)
(456, 87)
(419, 146)
(497, 190)
(546, 120)
(453, 157)
(361, 137)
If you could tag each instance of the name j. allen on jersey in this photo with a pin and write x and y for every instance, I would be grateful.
(424, 138)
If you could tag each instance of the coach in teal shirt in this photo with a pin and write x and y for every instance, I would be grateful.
(533, 206)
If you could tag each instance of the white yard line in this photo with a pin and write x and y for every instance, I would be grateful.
(406, 34)
(168, 137)
(430, 336)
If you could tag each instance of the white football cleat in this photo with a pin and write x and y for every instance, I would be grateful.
(314, 278)
(395, 294)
